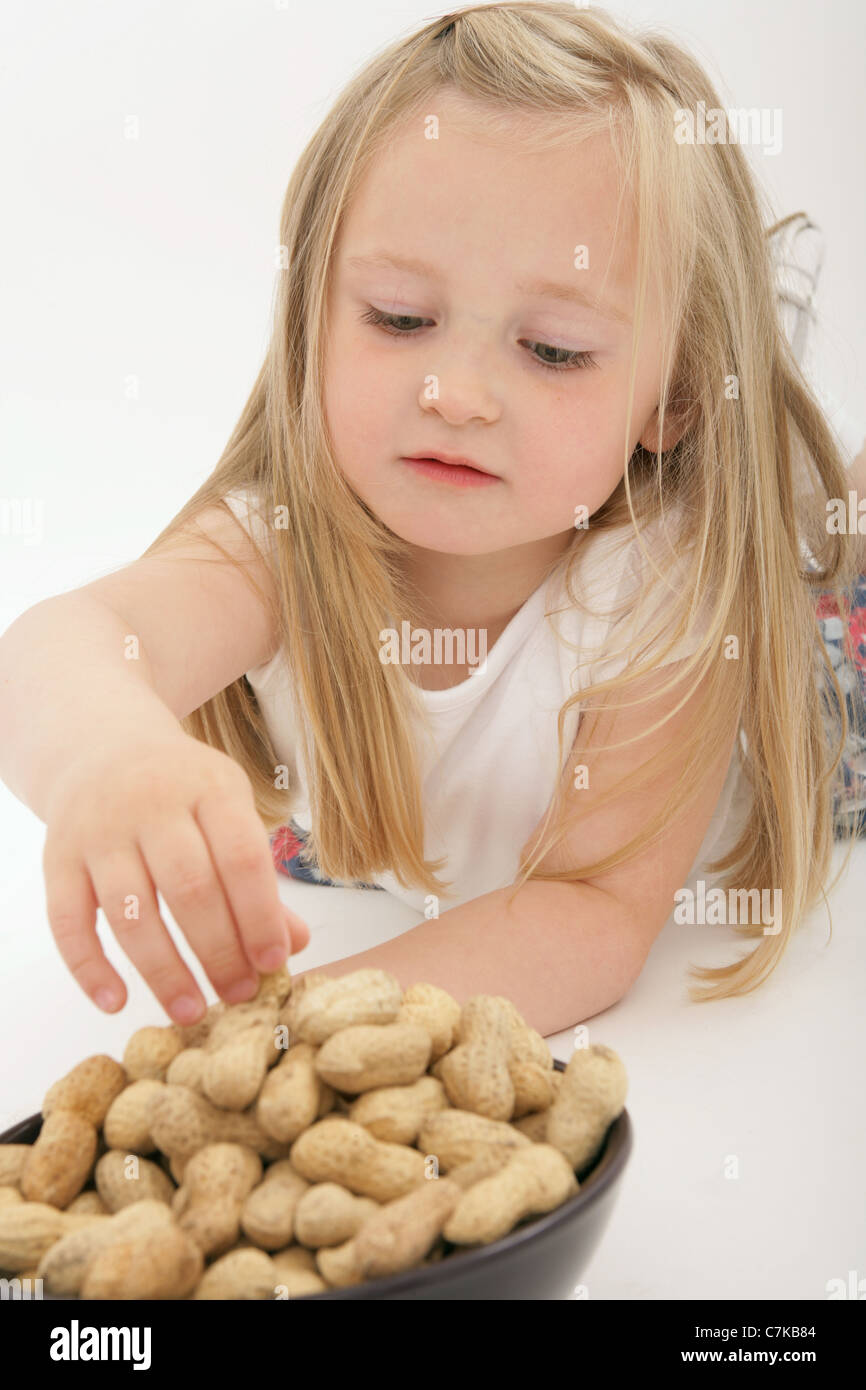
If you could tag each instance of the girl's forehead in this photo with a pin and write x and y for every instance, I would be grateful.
(483, 169)
(419, 197)
(499, 128)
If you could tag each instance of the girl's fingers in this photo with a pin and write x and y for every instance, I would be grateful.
(71, 906)
(241, 853)
(231, 915)
(180, 863)
(298, 928)
(128, 900)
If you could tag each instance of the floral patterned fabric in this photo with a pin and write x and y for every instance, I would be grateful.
(287, 845)
(850, 803)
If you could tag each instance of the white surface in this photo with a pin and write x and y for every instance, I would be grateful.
(136, 274)
(773, 1079)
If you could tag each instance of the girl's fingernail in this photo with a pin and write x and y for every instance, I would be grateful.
(273, 958)
(106, 999)
(185, 1009)
(241, 992)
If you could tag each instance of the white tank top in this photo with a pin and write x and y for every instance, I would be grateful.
(487, 748)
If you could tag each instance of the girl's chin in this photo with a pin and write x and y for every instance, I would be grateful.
(445, 538)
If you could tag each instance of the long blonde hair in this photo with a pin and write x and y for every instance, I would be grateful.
(750, 476)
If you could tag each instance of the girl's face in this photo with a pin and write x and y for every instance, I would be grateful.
(508, 349)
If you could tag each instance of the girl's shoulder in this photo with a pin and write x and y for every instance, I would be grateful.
(247, 505)
(621, 588)
(612, 567)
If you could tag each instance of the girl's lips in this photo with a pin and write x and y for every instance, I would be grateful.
(453, 473)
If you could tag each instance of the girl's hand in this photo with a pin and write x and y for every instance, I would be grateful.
(170, 814)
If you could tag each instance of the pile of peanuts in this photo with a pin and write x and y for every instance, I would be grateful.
(286, 1146)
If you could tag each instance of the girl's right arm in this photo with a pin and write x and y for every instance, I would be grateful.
(92, 686)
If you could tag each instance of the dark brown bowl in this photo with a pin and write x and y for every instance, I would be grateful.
(542, 1258)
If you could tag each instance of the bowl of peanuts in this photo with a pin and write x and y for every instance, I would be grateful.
(338, 1137)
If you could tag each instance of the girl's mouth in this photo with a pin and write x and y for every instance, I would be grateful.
(457, 474)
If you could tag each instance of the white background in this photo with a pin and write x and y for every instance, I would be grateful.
(154, 258)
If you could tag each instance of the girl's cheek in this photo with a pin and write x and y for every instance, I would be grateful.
(355, 415)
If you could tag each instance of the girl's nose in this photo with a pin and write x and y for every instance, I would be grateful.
(460, 392)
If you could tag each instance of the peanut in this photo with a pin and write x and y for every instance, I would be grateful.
(534, 1126)
(89, 1201)
(268, 1212)
(338, 1150)
(65, 1263)
(530, 1064)
(336, 1264)
(208, 1204)
(484, 1164)
(196, 1034)
(394, 1113)
(124, 1178)
(28, 1229)
(365, 1055)
(12, 1160)
(297, 1273)
(293, 1095)
(61, 1159)
(289, 1009)
(475, 1072)
(535, 1180)
(187, 1069)
(328, 1214)
(250, 1273)
(364, 997)
(150, 1051)
(127, 1122)
(163, 1263)
(436, 1010)
(501, 1067)
(183, 1122)
(459, 1136)
(246, 1273)
(238, 1052)
(295, 1257)
(397, 1236)
(590, 1097)
(276, 985)
(89, 1088)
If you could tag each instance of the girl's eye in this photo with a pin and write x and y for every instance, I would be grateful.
(404, 325)
(568, 360)
(390, 321)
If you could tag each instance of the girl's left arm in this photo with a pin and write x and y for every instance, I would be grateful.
(564, 951)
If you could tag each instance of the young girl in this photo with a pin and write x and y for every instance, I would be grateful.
(528, 389)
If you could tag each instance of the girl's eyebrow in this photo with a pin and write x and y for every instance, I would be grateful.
(539, 289)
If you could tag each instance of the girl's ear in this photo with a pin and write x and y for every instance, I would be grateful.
(676, 423)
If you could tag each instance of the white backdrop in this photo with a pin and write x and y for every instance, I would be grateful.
(151, 260)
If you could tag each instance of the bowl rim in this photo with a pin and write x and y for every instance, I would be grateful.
(606, 1169)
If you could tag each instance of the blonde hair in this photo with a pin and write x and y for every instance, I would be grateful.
(750, 477)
